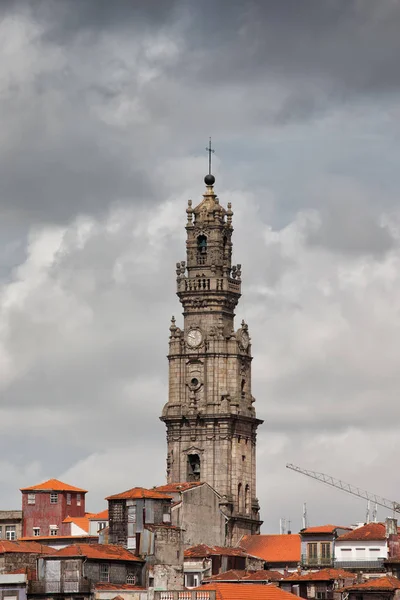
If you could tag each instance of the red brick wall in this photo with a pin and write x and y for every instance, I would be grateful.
(43, 514)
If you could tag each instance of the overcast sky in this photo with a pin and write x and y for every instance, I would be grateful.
(106, 108)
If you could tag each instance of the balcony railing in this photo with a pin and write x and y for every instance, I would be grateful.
(377, 563)
(59, 587)
(186, 595)
(316, 561)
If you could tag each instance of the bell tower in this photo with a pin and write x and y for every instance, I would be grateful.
(210, 415)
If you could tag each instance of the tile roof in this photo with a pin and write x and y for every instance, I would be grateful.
(273, 548)
(322, 575)
(82, 522)
(59, 538)
(324, 529)
(53, 485)
(381, 583)
(24, 547)
(137, 493)
(241, 575)
(101, 516)
(117, 586)
(371, 531)
(178, 487)
(239, 591)
(202, 551)
(97, 552)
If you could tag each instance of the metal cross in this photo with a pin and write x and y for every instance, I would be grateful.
(210, 151)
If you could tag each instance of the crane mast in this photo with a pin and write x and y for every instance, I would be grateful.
(347, 487)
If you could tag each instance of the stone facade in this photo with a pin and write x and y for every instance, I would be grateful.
(210, 415)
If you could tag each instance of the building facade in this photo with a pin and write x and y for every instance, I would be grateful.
(48, 504)
(210, 415)
(10, 524)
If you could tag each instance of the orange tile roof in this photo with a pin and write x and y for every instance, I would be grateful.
(381, 583)
(117, 586)
(59, 538)
(101, 516)
(322, 575)
(178, 487)
(241, 575)
(24, 547)
(324, 529)
(53, 485)
(371, 531)
(273, 548)
(137, 493)
(82, 522)
(202, 551)
(98, 552)
(240, 591)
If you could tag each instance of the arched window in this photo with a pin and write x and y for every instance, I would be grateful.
(201, 249)
(193, 467)
(240, 498)
(247, 499)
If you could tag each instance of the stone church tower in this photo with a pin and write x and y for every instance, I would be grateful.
(210, 415)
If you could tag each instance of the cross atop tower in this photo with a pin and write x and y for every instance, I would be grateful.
(210, 151)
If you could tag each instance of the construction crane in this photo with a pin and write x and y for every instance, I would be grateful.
(350, 489)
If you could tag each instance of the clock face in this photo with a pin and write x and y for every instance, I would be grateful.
(194, 338)
(244, 340)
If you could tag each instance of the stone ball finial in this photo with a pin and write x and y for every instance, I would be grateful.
(209, 179)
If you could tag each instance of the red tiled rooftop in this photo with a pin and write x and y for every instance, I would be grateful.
(322, 575)
(171, 488)
(101, 516)
(242, 575)
(371, 531)
(323, 529)
(23, 546)
(53, 485)
(97, 552)
(139, 493)
(381, 583)
(59, 538)
(117, 586)
(273, 548)
(239, 591)
(202, 551)
(82, 522)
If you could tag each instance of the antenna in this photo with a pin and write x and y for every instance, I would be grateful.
(305, 518)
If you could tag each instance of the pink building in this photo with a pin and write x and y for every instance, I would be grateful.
(46, 505)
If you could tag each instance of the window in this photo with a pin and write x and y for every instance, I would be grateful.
(151, 582)
(36, 531)
(53, 498)
(10, 532)
(247, 499)
(131, 543)
(192, 580)
(132, 514)
(101, 525)
(1, 532)
(31, 498)
(312, 551)
(240, 498)
(201, 249)
(78, 499)
(325, 551)
(69, 498)
(193, 467)
(166, 514)
(53, 530)
(131, 578)
(104, 573)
